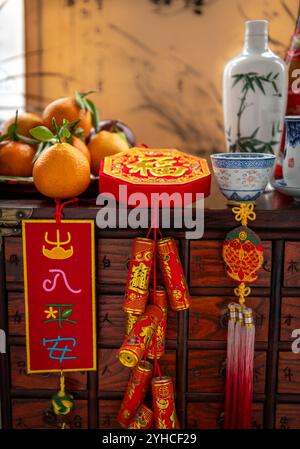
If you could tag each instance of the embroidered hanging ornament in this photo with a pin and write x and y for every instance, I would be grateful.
(243, 256)
(59, 300)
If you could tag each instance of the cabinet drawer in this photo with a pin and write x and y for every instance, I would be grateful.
(113, 260)
(16, 315)
(207, 268)
(113, 376)
(292, 264)
(288, 416)
(21, 380)
(37, 414)
(207, 371)
(13, 259)
(108, 412)
(290, 317)
(208, 318)
(289, 373)
(210, 415)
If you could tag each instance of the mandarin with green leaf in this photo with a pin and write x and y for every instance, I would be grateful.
(69, 108)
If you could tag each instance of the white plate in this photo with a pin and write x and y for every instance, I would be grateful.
(280, 185)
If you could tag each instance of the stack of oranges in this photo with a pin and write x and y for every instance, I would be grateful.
(37, 146)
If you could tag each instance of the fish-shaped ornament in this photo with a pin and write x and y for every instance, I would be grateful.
(243, 254)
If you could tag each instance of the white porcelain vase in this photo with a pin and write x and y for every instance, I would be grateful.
(254, 95)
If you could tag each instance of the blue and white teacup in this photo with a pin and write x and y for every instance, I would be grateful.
(242, 176)
(291, 155)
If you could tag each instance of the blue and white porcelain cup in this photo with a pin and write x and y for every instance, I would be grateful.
(291, 155)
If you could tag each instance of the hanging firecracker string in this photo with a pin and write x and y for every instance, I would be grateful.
(243, 255)
(146, 328)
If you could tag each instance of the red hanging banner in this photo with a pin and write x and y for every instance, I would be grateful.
(59, 282)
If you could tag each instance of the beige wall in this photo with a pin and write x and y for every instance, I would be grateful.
(156, 67)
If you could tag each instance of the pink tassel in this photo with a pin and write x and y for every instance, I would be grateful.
(241, 375)
(247, 387)
(236, 367)
(229, 363)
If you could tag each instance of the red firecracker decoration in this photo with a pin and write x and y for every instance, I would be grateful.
(138, 279)
(172, 271)
(139, 339)
(135, 392)
(164, 403)
(143, 419)
(157, 347)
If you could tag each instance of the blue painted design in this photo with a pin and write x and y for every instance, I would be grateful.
(243, 160)
(236, 197)
(292, 131)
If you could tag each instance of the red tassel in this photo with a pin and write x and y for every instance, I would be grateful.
(239, 372)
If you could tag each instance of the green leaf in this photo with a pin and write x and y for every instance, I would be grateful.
(42, 133)
(12, 131)
(237, 79)
(274, 86)
(95, 115)
(254, 133)
(87, 105)
(259, 84)
(79, 100)
(78, 132)
(64, 132)
(72, 125)
(66, 313)
(27, 139)
(69, 139)
(276, 76)
(3, 137)
(42, 146)
(250, 82)
(123, 135)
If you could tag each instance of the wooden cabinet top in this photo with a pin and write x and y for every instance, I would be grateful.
(274, 211)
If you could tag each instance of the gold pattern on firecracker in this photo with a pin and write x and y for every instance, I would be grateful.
(130, 321)
(139, 279)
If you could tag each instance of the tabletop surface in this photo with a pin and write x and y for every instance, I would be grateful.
(274, 210)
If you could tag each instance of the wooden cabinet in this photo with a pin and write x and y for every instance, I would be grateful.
(196, 339)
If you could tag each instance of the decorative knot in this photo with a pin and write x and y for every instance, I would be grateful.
(242, 292)
(244, 212)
